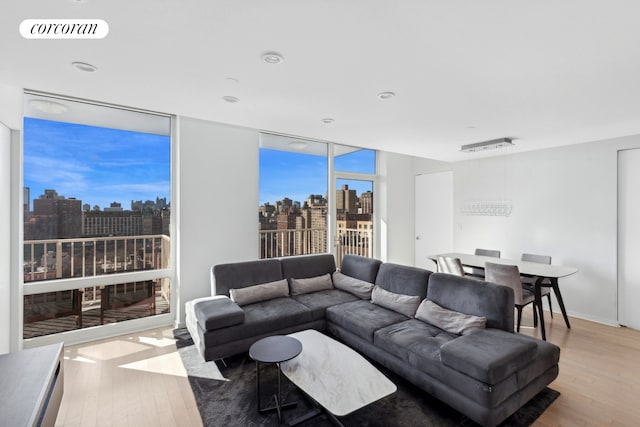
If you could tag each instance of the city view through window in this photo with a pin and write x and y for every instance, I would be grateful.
(293, 208)
(96, 203)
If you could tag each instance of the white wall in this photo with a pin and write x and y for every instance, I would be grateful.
(218, 200)
(564, 205)
(5, 241)
(395, 208)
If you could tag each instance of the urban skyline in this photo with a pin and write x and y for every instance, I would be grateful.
(94, 164)
(101, 166)
(297, 175)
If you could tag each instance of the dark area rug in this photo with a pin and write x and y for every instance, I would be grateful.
(232, 401)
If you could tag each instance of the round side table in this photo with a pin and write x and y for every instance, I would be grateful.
(275, 349)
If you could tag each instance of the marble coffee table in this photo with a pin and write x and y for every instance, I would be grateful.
(334, 376)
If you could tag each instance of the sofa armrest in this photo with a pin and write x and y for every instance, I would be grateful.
(218, 313)
(489, 355)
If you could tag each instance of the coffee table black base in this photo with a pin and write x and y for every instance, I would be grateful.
(278, 406)
(316, 411)
(274, 349)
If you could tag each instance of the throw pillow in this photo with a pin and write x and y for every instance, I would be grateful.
(257, 293)
(449, 320)
(401, 303)
(357, 287)
(312, 284)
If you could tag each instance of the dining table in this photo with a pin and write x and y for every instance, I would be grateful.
(536, 270)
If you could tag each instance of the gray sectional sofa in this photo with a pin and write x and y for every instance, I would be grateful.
(451, 336)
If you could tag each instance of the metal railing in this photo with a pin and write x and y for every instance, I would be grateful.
(280, 243)
(92, 257)
(354, 242)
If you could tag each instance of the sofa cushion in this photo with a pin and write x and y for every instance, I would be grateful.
(306, 266)
(216, 313)
(490, 355)
(242, 274)
(419, 345)
(360, 267)
(362, 318)
(311, 284)
(412, 336)
(261, 318)
(257, 293)
(449, 320)
(357, 287)
(403, 279)
(403, 304)
(476, 297)
(318, 302)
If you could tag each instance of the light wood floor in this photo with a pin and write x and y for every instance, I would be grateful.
(138, 380)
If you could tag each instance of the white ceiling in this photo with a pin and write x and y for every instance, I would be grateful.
(544, 72)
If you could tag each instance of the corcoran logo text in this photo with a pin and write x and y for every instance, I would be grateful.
(64, 29)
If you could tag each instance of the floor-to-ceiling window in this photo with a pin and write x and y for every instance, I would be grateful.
(297, 200)
(354, 171)
(293, 203)
(97, 215)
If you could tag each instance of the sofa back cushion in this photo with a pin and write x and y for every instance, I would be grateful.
(449, 320)
(357, 287)
(305, 266)
(400, 303)
(403, 279)
(359, 267)
(311, 284)
(242, 274)
(475, 297)
(257, 293)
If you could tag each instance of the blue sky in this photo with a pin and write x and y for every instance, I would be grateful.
(93, 164)
(296, 175)
(101, 165)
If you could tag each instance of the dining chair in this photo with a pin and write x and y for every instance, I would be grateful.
(509, 275)
(450, 265)
(478, 272)
(528, 282)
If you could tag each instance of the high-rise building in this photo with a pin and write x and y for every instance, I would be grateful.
(26, 202)
(55, 217)
(366, 202)
(346, 200)
(113, 223)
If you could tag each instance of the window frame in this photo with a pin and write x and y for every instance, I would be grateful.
(62, 284)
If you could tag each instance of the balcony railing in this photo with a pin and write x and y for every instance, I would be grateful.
(280, 243)
(85, 257)
(90, 257)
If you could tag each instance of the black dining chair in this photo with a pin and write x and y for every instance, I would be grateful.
(528, 282)
(478, 272)
(509, 275)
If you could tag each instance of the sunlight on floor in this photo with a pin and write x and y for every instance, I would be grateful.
(168, 364)
(118, 349)
(162, 342)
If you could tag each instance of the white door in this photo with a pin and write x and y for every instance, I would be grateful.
(434, 217)
(629, 238)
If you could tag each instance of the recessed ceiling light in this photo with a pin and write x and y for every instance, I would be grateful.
(272, 58)
(386, 95)
(230, 99)
(327, 120)
(83, 66)
(298, 145)
(49, 107)
(231, 80)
